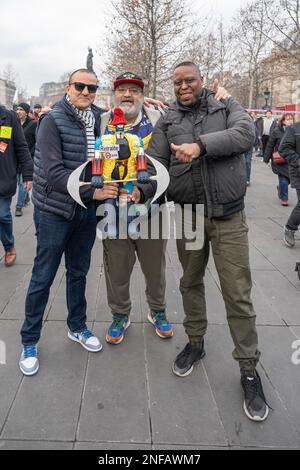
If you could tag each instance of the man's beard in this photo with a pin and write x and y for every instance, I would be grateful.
(131, 111)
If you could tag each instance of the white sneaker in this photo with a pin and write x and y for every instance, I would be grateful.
(29, 363)
(87, 339)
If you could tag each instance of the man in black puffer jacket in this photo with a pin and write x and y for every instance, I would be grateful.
(14, 154)
(201, 141)
(65, 140)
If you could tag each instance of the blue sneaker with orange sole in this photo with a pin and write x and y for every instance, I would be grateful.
(116, 331)
(163, 328)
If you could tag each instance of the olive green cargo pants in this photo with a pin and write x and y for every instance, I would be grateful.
(119, 257)
(230, 248)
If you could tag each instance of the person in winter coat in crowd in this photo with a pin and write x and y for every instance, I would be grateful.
(37, 108)
(264, 129)
(29, 127)
(281, 170)
(290, 150)
(14, 154)
(256, 142)
(249, 153)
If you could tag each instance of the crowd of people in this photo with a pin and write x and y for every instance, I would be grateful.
(203, 139)
(276, 145)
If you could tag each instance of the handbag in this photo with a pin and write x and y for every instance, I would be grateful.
(277, 158)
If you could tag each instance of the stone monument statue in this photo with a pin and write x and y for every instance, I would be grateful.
(89, 60)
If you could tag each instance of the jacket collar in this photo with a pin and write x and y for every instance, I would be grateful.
(65, 105)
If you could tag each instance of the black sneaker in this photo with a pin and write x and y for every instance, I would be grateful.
(18, 212)
(184, 362)
(27, 200)
(289, 237)
(255, 405)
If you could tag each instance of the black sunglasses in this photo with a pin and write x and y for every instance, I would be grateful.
(81, 86)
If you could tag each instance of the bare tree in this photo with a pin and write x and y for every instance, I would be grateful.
(212, 49)
(271, 44)
(149, 36)
(23, 94)
(223, 52)
(251, 43)
(9, 73)
(284, 17)
(202, 50)
(283, 20)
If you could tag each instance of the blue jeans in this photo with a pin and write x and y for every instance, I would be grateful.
(248, 159)
(22, 193)
(6, 225)
(283, 190)
(57, 236)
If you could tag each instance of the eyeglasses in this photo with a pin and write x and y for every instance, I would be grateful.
(133, 90)
(81, 86)
(188, 82)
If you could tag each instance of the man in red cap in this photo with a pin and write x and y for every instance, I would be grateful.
(129, 78)
(120, 255)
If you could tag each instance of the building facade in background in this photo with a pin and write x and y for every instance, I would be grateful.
(280, 72)
(7, 93)
(51, 92)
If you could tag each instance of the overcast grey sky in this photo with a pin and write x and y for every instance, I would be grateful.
(44, 39)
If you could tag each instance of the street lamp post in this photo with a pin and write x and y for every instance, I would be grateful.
(267, 94)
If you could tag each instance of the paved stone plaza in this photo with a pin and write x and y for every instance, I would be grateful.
(126, 397)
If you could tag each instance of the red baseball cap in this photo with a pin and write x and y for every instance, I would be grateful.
(129, 77)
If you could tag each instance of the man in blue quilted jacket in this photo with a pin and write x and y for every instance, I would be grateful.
(65, 140)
